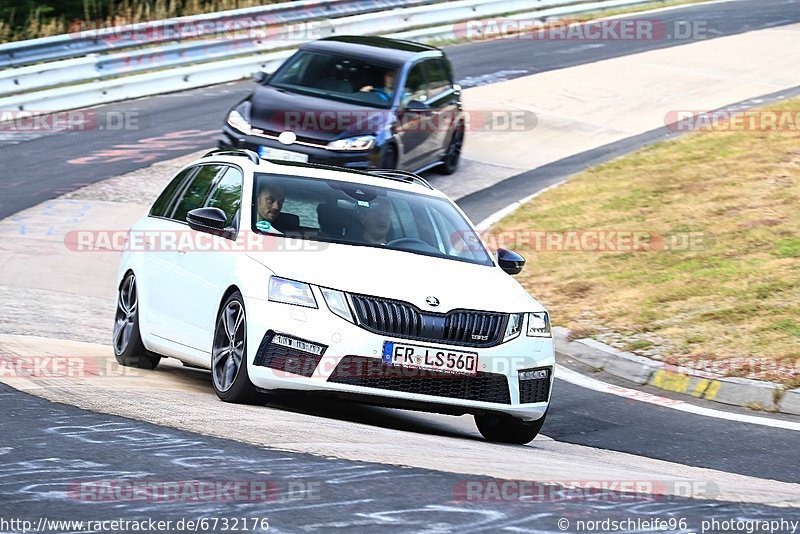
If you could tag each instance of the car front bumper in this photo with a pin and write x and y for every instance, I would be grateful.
(231, 138)
(344, 340)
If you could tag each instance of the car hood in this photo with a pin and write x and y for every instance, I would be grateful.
(402, 276)
(312, 117)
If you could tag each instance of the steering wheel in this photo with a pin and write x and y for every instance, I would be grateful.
(409, 241)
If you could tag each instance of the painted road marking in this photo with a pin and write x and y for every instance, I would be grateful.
(573, 377)
(149, 149)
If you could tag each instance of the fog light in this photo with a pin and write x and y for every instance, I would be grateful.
(536, 374)
(298, 344)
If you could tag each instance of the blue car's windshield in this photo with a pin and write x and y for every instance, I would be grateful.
(365, 215)
(339, 78)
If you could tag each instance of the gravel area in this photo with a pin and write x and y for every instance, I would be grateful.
(53, 314)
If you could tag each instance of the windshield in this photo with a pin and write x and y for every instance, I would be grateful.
(338, 78)
(363, 215)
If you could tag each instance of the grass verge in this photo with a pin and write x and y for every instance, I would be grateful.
(720, 215)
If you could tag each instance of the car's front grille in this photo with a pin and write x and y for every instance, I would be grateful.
(301, 140)
(535, 390)
(286, 359)
(373, 373)
(401, 319)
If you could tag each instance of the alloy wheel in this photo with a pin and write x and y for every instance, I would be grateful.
(228, 352)
(124, 322)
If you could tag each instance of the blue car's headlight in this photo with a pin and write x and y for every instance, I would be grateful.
(291, 292)
(362, 142)
(238, 122)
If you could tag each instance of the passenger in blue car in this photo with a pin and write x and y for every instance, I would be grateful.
(385, 93)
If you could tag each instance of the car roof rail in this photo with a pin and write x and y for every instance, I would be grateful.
(243, 152)
(401, 176)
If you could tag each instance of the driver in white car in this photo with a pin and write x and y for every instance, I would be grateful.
(268, 207)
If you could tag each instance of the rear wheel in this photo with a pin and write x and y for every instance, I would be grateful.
(453, 154)
(128, 347)
(503, 428)
(229, 354)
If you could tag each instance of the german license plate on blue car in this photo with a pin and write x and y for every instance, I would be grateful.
(281, 155)
(431, 358)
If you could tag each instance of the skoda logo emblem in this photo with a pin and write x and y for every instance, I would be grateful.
(287, 138)
(432, 301)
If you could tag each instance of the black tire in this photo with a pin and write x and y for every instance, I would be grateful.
(127, 340)
(388, 159)
(453, 153)
(503, 428)
(229, 354)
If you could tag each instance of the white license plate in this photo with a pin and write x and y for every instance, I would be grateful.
(419, 357)
(282, 155)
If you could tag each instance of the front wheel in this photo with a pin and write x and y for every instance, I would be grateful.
(453, 154)
(128, 346)
(388, 158)
(229, 354)
(503, 428)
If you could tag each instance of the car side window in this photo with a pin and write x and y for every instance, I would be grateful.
(227, 195)
(163, 203)
(415, 85)
(438, 77)
(196, 191)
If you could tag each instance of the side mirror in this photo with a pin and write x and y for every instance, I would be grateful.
(208, 220)
(510, 261)
(418, 106)
(261, 77)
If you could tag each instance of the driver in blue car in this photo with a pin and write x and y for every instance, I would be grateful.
(385, 93)
(376, 222)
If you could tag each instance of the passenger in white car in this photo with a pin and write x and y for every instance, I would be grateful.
(376, 221)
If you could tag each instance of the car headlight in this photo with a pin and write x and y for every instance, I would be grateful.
(291, 292)
(514, 326)
(238, 122)
(337, 303)
(362, 142)
(538, 324)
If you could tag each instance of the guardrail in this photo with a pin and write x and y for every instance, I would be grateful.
(90, 40)
(190, 61)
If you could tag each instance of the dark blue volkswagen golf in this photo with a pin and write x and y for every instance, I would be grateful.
(358, 102)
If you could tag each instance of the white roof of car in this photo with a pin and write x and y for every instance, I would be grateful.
(330, 173)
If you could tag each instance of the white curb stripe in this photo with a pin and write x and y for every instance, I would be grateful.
(573, 377)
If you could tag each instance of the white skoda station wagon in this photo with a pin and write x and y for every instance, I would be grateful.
(368, 285)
